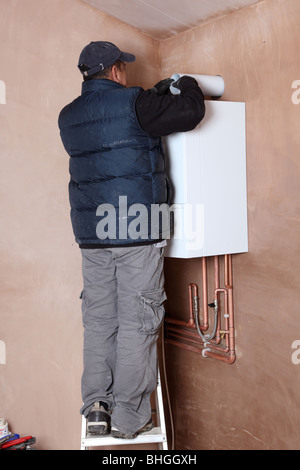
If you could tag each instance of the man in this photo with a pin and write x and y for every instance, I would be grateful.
(113, 137)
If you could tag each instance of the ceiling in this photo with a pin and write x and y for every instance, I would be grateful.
(162, 19)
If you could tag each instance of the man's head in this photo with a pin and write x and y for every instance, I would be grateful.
(102, 59)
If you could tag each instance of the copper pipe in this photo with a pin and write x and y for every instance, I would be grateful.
(183, 345)
(229, 359)
(229, 319)
(193, 301)
(210, 348)
(217, 350)
(179, 322)
(228, 285)
(179, 336)
(216, 347)
(174, 330)
(204, 352)
(228, 271)
(226, 315)
(204, 327)
(217, 285)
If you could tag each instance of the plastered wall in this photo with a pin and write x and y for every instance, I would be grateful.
(40, 326)
(252, 404)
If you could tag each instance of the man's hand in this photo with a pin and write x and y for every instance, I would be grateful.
(162, 87)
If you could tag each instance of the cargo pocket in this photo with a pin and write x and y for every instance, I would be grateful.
(152, 310)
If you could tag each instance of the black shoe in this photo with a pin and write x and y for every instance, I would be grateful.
(98, 420)
(122, 435)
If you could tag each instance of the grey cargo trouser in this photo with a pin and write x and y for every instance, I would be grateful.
(122, 310)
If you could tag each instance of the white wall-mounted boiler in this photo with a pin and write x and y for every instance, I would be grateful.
(207, 170)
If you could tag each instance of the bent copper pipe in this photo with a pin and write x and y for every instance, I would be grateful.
(226, 331)
(211, 348)
(229, 359)
(204, 295)
(228, 285)
(205, 353)
(193, 299)
(192, 336)
(217, 285)
(229, 319)
(193, 302)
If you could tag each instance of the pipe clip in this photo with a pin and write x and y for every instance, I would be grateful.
(204, 350)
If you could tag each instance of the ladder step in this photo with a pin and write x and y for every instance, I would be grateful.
(155, 435)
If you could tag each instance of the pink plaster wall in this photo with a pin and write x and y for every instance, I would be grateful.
(40, 42)
(253, 404)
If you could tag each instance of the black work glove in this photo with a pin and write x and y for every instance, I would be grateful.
(162, 87)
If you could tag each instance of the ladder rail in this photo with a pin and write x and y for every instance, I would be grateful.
(156, 435)
(160, 411)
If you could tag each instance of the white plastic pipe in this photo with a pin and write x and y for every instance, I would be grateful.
(211, 85)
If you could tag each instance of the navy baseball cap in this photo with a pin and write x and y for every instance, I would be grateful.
(98, 55)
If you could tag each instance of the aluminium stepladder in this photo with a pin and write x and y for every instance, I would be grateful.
(156, 435)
